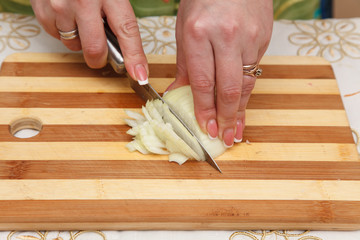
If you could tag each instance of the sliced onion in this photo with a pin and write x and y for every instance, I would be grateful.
(183, 95)
(160, 132)
(137, 145)
(136, 116)
(178, 157)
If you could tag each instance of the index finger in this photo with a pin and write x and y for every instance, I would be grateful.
(122, 21)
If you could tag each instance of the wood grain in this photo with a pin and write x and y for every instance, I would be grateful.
(298, 166)
(131, 100)
(66, 100)
(155, 169)
(169, 59)
(65, 84)
(120, 85)
(117, 151)
(45, 69)
(270, 134)
(175, 225)
(295, 101)
(186, 189)
(114, 116)
(212, 214)
(55, 69)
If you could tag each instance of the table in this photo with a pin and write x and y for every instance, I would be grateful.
(337, 40)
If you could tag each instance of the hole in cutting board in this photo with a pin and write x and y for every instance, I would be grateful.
(25, 127)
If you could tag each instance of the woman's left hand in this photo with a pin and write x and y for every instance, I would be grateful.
(215, 39)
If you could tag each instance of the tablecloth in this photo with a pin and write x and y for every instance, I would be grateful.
(337, 40)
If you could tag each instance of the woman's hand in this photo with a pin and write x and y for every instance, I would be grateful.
(215, 39)
(86, 16)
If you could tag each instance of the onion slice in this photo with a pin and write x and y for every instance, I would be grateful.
(158, 131)
(181, 101)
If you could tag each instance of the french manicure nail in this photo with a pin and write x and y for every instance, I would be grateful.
(238, 136)
(228, 146)
(212, 138)
(141, 74)
(228, 137)
(212, 129)
(238, 140)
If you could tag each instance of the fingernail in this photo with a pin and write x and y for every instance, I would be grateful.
(211, 138)
(228, 137)
(141, 74)
(239, 132)
(212, 129)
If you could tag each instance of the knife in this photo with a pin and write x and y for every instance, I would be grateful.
(146, 92)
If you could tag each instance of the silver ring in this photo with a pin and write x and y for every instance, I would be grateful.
(69, 35)
(252, 70)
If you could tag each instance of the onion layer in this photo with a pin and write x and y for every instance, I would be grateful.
(160, 132)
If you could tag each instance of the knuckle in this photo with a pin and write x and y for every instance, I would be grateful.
(129, 28)
(135, 54)
(196, 28)
(205, 112)
(94, 50)
(203, 84)
(58, 6)
(253, 32)
(226, 122)
(230, 29)
(248, 86)
(230, 95)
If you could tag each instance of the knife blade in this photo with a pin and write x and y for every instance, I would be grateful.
(146, 92)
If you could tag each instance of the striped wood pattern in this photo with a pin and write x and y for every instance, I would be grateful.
(299, 170)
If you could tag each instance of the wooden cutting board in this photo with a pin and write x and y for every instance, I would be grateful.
(299, 168)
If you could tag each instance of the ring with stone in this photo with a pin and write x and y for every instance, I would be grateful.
(252, 70)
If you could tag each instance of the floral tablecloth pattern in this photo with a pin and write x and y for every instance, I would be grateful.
(337, 40)
(180, 235)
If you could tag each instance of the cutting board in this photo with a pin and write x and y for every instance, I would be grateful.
(297, 167)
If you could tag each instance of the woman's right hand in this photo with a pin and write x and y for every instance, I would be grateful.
(86, 16)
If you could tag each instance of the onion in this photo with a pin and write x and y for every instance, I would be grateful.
(183, 95)
(160, 132)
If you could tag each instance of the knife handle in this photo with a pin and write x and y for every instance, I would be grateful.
(115, 57)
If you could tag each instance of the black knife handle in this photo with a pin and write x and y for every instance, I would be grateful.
(115, 57)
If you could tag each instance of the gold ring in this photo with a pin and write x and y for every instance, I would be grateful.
(69, 35)
(252, 70)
